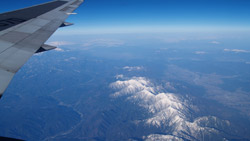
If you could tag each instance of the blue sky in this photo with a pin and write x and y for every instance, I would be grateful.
(129, 15)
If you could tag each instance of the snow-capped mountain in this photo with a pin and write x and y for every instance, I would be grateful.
(169, 112)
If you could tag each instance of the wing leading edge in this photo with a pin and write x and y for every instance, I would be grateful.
(23, 33)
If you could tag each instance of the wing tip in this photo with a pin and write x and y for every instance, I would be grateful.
(1, 96)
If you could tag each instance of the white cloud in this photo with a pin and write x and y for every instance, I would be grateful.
(103, 42)
(69, 59)
(59, 49)
(135, 68)
(38, 54)
(215, 42)
(60, 43)
(166, 109)
(200, 52)
(236, 50)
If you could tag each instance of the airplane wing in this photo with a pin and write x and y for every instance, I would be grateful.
(23, 33)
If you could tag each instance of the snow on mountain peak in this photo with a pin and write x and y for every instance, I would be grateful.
(167, 110)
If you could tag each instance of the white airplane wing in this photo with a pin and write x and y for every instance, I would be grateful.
(23, 33)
